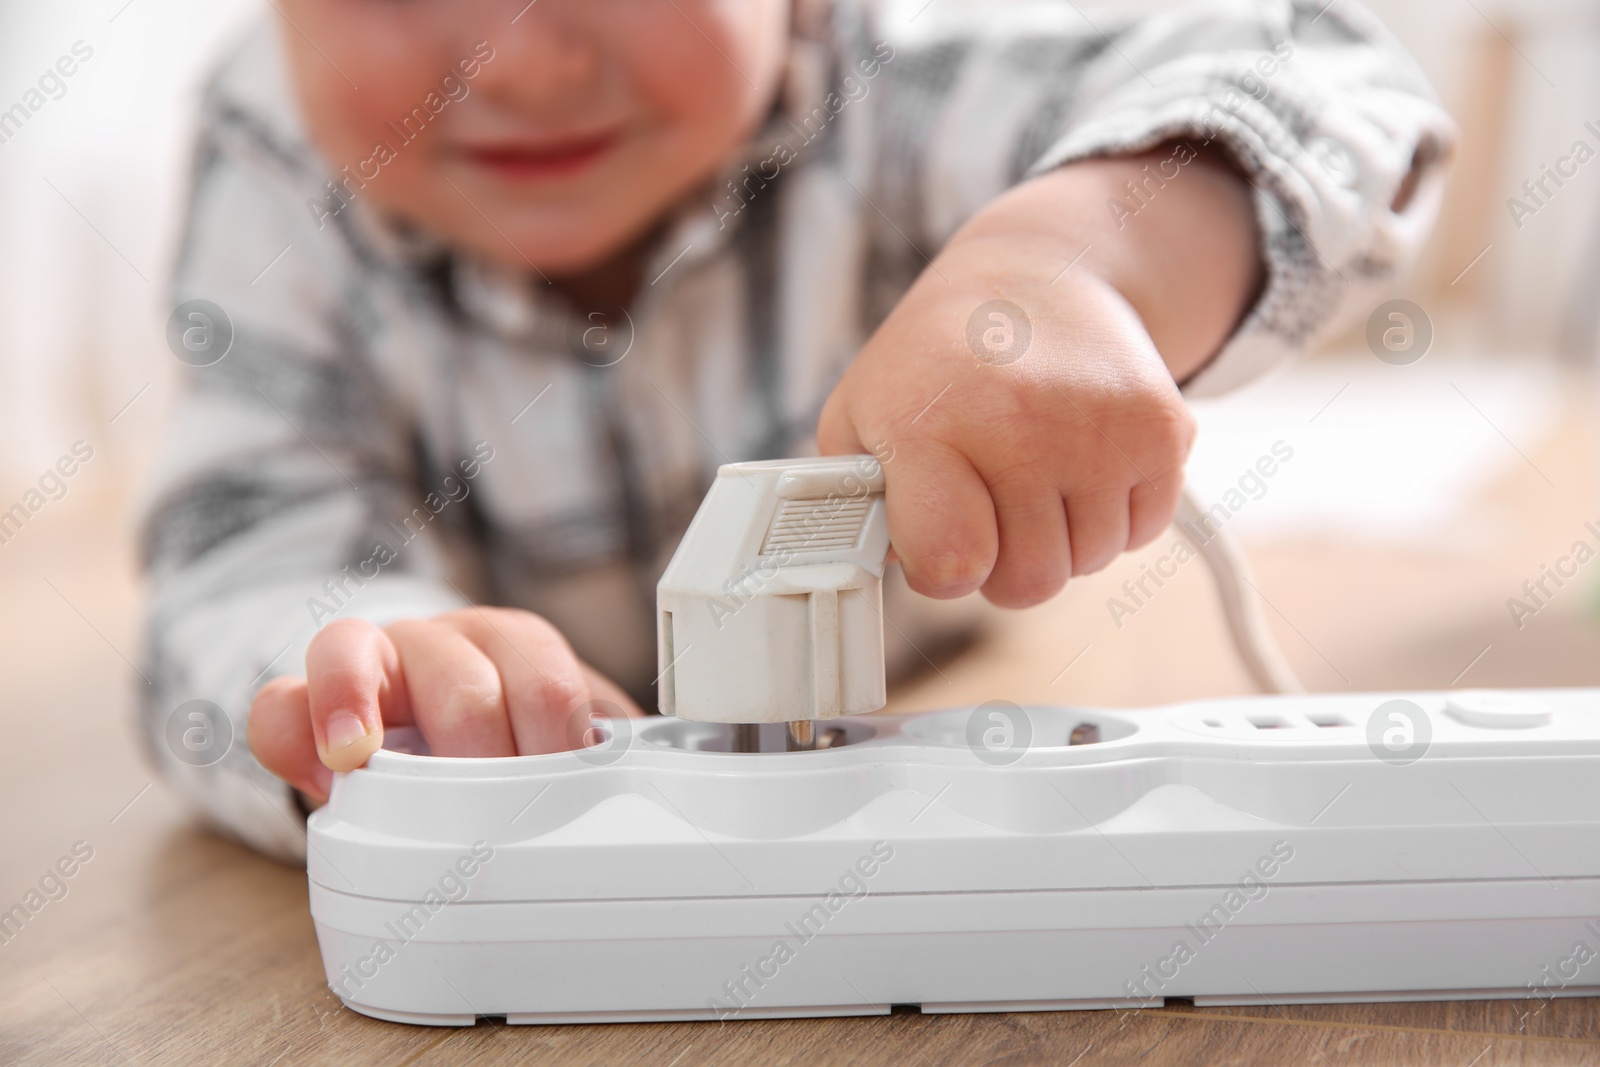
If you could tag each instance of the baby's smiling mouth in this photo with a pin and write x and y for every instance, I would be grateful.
(532, 160)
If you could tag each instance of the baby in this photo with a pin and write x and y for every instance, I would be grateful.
(505, 281)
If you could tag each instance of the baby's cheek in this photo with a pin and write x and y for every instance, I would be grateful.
(712, 75)
(358, 71)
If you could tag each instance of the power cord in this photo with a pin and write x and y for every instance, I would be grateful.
(1231, 571)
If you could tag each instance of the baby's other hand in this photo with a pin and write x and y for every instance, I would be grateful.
(1011, 477)
(477, 682)
(1022, 394)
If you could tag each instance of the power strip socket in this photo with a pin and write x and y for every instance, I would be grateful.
(1267, 849)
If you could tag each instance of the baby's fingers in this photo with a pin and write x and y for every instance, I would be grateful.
(1034, 557)
(941, 520)
(353, 676)
(546, 688)
(280, 737)
(455, 691)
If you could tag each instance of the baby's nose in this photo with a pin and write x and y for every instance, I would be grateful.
(548, 50)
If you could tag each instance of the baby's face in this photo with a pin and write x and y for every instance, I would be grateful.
(549, 134)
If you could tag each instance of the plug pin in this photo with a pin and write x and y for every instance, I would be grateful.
(802, 735)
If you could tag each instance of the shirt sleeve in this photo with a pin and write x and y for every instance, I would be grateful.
(286, 463)
(1319, 107)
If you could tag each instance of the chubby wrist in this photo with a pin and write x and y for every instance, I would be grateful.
(1172, 230)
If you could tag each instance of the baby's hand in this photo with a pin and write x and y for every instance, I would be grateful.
(477, 682)
(1029, 426)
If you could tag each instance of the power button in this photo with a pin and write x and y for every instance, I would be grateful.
(1498, 710)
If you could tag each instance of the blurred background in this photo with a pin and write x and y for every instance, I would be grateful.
(1419, 499)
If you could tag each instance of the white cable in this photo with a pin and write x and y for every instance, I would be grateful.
(1231, 571)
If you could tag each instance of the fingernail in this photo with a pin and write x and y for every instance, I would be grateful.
(953, 574)
(343, 730)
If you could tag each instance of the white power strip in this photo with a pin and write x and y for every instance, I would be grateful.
(1267, 849)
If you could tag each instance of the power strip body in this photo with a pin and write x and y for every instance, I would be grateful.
(1266, 849)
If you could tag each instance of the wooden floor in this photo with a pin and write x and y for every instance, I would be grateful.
(172, 946)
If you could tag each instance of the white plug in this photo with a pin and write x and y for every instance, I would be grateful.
(772, 607)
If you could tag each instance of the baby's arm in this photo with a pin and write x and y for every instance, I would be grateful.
(1186, 198)
(287, 464)
(280, 463)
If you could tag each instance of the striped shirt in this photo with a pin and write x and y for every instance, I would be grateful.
(398, 430)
